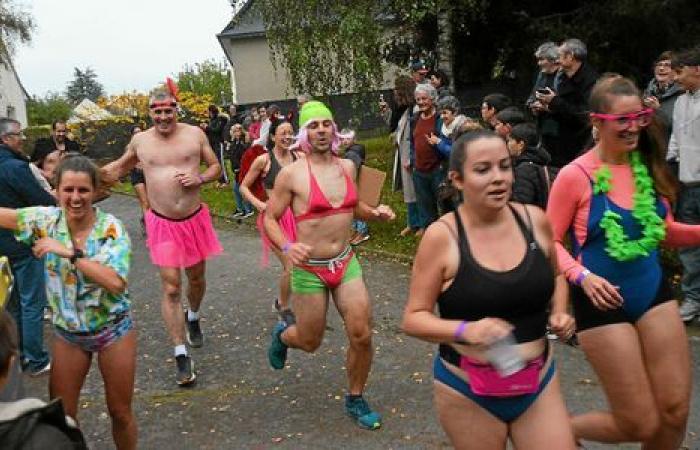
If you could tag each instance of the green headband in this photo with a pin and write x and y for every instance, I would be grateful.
(313, 110)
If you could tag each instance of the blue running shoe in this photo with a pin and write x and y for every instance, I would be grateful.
(277, 352)
(358, 409)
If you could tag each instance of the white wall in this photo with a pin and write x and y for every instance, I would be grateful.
(255, 80)
(12, 101)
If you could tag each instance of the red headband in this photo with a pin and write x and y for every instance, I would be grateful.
(163, 104)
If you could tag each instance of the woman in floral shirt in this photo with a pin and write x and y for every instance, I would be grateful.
(87, 253)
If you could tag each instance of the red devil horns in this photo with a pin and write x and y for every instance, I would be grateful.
(172, 88)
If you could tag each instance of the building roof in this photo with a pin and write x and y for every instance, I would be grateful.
(246, 23)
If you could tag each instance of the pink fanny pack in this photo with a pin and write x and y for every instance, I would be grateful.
(485, 380)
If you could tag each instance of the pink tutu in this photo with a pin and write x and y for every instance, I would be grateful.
(289, 228)
(181, 242)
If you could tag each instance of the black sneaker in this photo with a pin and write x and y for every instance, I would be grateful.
(194, 333)
(185, 370)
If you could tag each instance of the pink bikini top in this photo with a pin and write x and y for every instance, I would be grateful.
(319, 206)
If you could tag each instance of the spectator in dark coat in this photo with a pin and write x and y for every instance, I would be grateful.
(568, 101)
(236, 147)
(30, 423)
(213, 130)
(507, 119)
(547, 56)
(233, 118)
(533, 176)
(491, 105)
(18, 189)
(58, 141)
(663, 91)
(441, 82)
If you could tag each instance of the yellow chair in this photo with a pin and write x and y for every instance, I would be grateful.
(6, 281)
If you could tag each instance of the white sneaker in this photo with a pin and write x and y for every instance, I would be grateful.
(43, 371)
(689, 310)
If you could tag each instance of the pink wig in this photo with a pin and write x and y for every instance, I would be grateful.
(302, 140)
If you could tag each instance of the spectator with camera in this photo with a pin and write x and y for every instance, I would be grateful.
(547, 56)
(567, 101)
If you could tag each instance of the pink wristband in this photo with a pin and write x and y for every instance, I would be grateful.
(285, 247)
(582, 276)
(460, 330)
(201, 178)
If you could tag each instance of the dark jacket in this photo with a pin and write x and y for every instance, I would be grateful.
(667, 99)
(356, 154)
(234, 152)
(30, 424)
(570, 109)
(214, 131)
(226, 131)
(531, 172)
(546, 125)
(18, 189)
(44, 146)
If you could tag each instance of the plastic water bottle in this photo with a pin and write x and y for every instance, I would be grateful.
(504, 356)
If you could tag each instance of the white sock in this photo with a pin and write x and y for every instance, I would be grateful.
(192, 315)
(180, 350)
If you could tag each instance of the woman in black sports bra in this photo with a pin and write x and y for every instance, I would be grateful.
(268, 166)
(491, 269)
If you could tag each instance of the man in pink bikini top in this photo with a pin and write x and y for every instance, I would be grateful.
(323, 197)
(179, 229)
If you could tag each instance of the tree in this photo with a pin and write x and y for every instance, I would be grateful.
(84, 85)
(43, 111)
(15, 25)
(209, 77)
(328, 45)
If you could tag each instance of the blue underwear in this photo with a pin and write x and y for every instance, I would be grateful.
(505, 409)
(100, 339)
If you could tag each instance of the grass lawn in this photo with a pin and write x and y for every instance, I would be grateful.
(384, 236)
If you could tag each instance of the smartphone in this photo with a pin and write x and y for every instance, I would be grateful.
(543, 91)
(381, 98)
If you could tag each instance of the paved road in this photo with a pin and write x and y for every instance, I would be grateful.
(240, 403)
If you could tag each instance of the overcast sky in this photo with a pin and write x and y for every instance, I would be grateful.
(131, 44)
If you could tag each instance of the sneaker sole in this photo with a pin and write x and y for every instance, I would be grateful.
(189, 341)
(191, 380)
(364, 427)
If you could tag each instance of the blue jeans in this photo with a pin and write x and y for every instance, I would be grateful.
(426, 184)
(27, 308)
(689, 212)
(241, 205)
(414, 216)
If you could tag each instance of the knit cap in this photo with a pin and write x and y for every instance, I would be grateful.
(313, 110)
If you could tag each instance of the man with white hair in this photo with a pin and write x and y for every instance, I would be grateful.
(568, 100)
(426, 165)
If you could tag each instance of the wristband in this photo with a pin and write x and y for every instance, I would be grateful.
(201, 178)
(582, 276)
(460, 331)
(77, 253)
(286, 247)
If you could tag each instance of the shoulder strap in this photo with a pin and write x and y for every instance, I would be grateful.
(582, 170)
(526, 229)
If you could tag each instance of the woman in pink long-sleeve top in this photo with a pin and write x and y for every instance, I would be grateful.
(613, 204)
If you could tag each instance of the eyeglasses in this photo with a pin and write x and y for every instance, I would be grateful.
(624, 121)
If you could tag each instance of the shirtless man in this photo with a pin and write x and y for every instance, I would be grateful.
(323, 259)
(178, 225)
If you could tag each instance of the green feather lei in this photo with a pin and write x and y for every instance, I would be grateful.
(618, 245)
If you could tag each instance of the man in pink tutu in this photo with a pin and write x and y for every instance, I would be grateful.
(180, 234)
(323, 197)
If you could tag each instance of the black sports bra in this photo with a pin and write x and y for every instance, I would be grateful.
(275, 167)
(520, 296)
